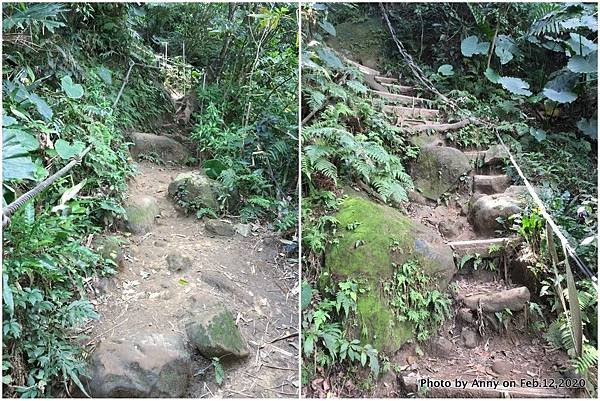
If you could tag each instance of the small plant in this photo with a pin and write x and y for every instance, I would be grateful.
(414, 301)
(218, 370)
(152, 157)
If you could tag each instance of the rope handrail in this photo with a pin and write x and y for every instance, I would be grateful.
(10, 209)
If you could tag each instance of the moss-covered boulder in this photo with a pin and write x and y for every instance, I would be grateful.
(375, 240)
(110, 247)
(194, 190)
(215, 334)
(438, 170)
(163, 147)
(140, 212)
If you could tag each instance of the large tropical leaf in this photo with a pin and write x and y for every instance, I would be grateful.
(515, 86)
(471, 45)
(584, 65)
(564, 96)
(16, 163)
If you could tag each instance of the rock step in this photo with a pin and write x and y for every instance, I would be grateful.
(482, 246)
(363, 68)
(402, 111)
(405, 90)
(475, 154)
(402, 99)
(412, 385)
(413, 122)
(491, 184)
(386, 80)
(513, 299)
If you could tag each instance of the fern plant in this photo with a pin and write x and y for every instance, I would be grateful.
(349, 140)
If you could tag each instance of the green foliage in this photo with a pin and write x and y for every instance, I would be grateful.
(414, 301)
(58, 89)
(349, 139)
(247, 124)
(219, 372)
(324, 336)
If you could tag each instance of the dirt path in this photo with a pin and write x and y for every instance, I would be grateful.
(248, 275)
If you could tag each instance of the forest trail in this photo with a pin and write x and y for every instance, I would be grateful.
(179, 268)
(462, 194)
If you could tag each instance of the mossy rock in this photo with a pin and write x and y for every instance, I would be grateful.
(167, 149)
(194, 190)
(376, 237)
(140, 212)
(438, 169)
(215, 334)
(363, 41)
(110, 248)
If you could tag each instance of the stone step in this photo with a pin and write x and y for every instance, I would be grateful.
(513, 299)
(405, 90)
(402, 111)
(482, 246)
(415, 383)
(475, 155)
(385, 80)
(363, 68)
(402, 99)
(491, 184)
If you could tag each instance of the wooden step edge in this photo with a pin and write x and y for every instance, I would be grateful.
(485, 176)
(412, 384)
(400, 88)
(490, 241)
(363, 68)
(387, 80)
(396, 96)
(411, 111)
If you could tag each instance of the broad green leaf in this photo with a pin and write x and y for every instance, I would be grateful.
(565, 96)
(446, 70)
(589, 127)
(580, 45)
(105, 74)
(471, 45)
(305, 295)
(219, 372)
(506, 48)
(74, 91)
(7, 121)
(41, 106)
(16, 162)
(538, 134)
(584, 65)
(66, 150)
(328, 27)
(515, 86)
(330, 58)
(356, 87)
(28, 141)
(491, 75)
(213, 168)
(68, 195)
(7, 295)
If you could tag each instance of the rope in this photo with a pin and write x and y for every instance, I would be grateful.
(10, 209)
(418, 73)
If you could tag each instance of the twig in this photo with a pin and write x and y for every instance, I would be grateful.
(106, 331)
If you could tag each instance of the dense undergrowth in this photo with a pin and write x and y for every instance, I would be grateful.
(63, 66)
(545, 116)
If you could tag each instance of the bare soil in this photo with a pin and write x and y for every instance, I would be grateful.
(251, 276)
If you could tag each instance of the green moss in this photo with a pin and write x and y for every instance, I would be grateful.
(378, 228)
(374, 239)
(378, 324)
(365, 40)
(222, 328)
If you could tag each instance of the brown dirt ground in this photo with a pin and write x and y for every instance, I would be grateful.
(248, 275)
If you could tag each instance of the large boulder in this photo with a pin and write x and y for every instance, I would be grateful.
(142, 366)
(438, 169)
(215, 334)
(375, 240)
(485, 210)
(167, 149)
(140, 212)
(194, 190)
